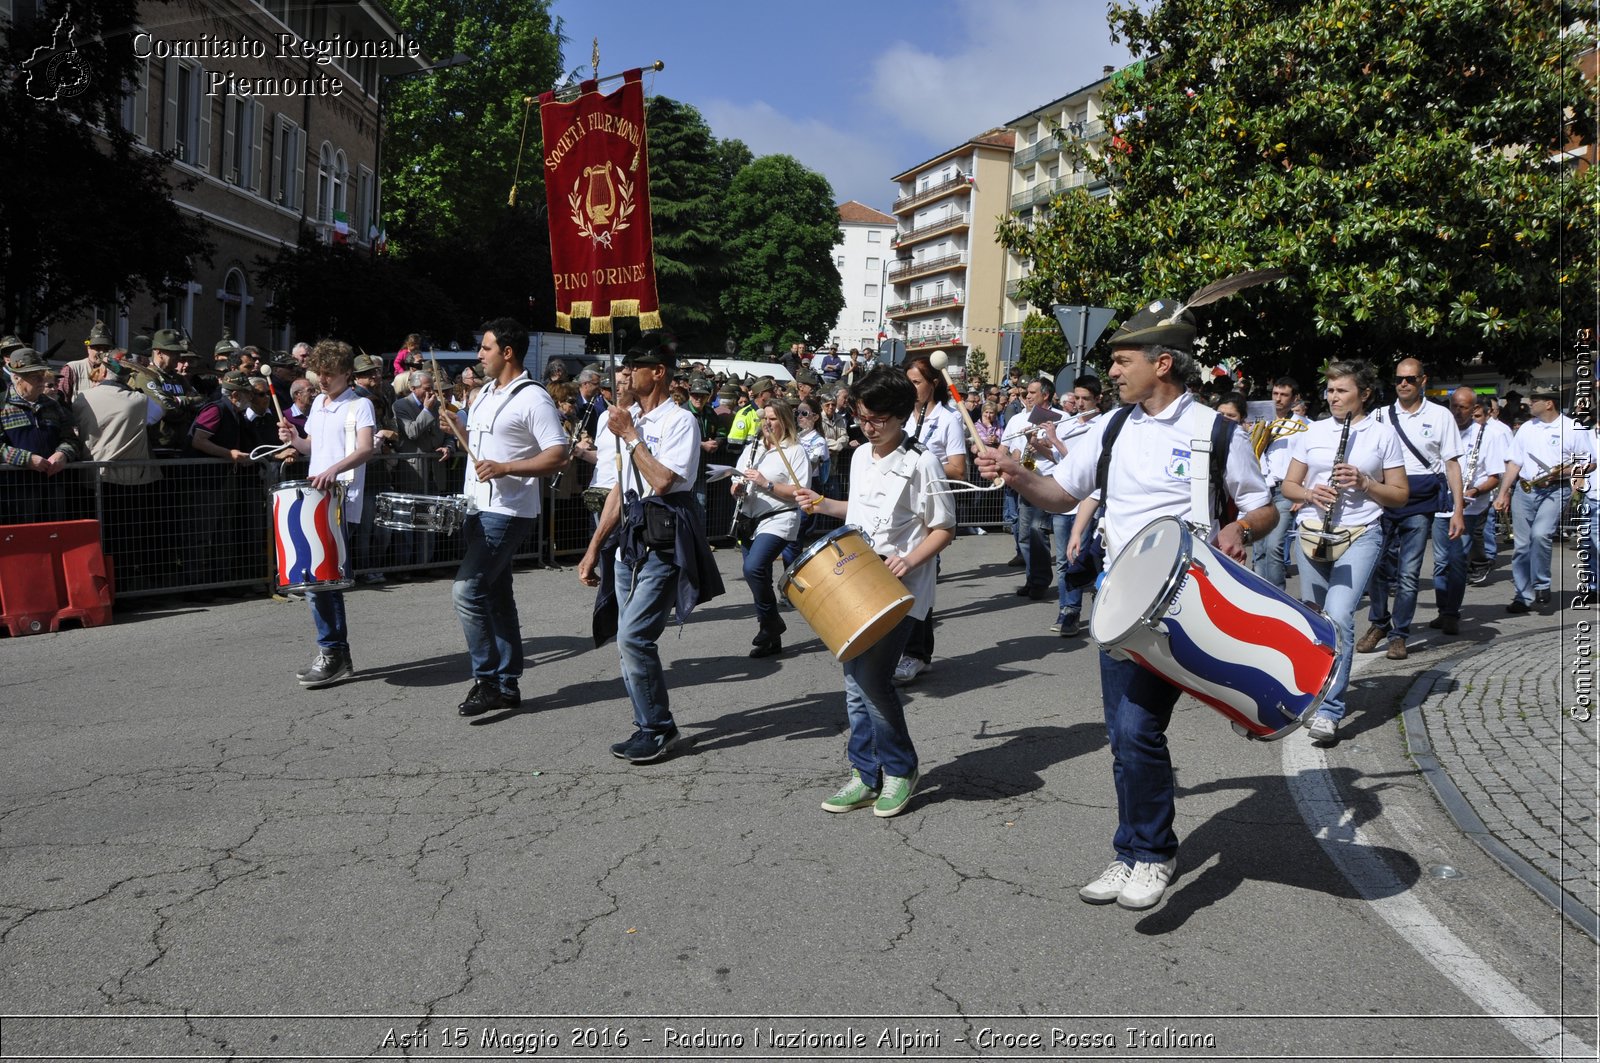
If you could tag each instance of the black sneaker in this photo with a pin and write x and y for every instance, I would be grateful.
(478, 699)
(1541, 597)
(647, 746)
(1478, 577)
(329, 667)
(1517, 606)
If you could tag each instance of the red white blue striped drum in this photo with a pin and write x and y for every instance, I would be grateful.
(1182, 609)
(310, 535)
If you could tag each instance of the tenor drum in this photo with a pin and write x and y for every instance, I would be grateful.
(1179, 607)
(309, 527)
(846, 593)
(426, 513)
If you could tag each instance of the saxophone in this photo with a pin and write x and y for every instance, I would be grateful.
(1323, 540)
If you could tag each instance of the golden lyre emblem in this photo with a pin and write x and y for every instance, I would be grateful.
(601, 200)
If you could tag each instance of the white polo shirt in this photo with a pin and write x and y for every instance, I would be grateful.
(1150, 463)
(1431, 428)
(891, 502)
(510, 424)
(1539, 447)
(1015, 439)
(673, 438)
(333, 425)
(1373, 448)
(770, 464)
(941, 431)
(1492, 454)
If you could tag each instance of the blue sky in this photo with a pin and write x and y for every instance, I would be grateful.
(858, 91)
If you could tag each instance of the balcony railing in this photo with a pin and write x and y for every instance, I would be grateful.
(1047, 145)
(957, 183)
(912, 268)
(951, 221)
(923, 306)
(934, 339)
(1049, 189)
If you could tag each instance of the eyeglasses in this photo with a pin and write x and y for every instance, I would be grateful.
(1406, 379)
(875, 421)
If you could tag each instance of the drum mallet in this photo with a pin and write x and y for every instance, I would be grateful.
(941, 361)
(792, 477)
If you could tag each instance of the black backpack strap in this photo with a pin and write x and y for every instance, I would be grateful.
(1222, 431)
(1102, 471)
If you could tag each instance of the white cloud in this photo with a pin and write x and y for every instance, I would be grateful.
(857, 165)
(1009, 57)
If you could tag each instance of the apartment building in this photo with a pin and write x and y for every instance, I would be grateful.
(863, 260)
(272, 109)
(946, 280)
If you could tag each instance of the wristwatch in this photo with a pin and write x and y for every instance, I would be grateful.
(634, 444)
(1246, 536)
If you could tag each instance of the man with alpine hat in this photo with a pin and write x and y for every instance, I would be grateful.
(74, 376)
(1148, 476)
(161, 382)
(38, 437)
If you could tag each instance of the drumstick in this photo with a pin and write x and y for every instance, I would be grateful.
(444, 407)
(790, 468)
(939, 360)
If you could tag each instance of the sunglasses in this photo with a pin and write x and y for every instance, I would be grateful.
(1406, 379)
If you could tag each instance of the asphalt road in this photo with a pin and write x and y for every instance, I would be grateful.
(201, 859)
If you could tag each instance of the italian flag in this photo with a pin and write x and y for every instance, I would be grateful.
(341, 227)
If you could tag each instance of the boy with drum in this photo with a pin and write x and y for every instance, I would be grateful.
(339, 434)
(908, 525)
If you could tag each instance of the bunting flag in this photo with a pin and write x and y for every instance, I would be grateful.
(597, 180)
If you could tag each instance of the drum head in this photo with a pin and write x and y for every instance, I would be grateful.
(821, 544)
(1140, 582)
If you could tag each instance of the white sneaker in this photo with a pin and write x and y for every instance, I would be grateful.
(1108, 887)
(909, 668)
(1146, 883)
(1324, 730)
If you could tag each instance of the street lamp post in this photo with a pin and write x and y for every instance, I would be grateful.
(459, 59)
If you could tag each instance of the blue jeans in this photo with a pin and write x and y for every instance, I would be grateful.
(327, 612)
(1033, 538)
(879, 742)
(1534, 516)
(1491, 536)
(1069, 599)
(644, 598)
(483, 596)
(758, 558)
(1336, 588)
(1138, 707)
(1404, 542)
(1268, 552)
(1450, 563)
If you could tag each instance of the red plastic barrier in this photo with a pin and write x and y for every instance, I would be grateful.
(50, 573)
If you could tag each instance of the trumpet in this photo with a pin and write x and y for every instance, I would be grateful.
(1560, 471)
(1264, 433)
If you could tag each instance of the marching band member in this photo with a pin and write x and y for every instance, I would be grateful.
(1148, 477)
(909, 524)
(768, 520)
(514, 432)
(339, 437)
(1355, 467)
(1269, 553)
(1546, 451)
(1483, 460)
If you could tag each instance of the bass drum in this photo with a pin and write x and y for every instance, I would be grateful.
(1177, 606)
(846, 593)
(308, 525)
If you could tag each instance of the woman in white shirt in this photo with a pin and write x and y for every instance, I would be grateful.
(766, 493)
(1349, 494)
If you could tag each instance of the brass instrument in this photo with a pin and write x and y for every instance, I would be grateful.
(1560, 471)
(1265, 433)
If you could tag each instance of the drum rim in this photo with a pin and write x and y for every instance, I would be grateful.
(891, 607)
(298, 484)
(315, 587)
(815, 547)
(1169, 588)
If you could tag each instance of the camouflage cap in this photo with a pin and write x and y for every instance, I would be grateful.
(27, 360)
(236, 381)
(99, 337)
(1163, 321)
(170, 340)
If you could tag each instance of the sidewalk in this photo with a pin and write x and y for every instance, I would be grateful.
(1492, 728)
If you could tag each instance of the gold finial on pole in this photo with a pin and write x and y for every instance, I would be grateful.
(594, 58)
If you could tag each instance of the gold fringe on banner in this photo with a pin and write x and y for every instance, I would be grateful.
(563, 321)
(624, 308)
(649, 321)
(582, 311)
(598, 325)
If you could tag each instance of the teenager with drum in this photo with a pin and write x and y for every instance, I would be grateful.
(1147, 477)
(339, 438)
(1349, 467)
(907, 524)
(767, 520)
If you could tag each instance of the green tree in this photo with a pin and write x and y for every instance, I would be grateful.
(688, 188)
(85, 214)
(339, 292)
(780, 230)
(1397, 158)
(1044, 349)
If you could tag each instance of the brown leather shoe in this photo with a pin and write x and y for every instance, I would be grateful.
(1397, 650)
(1369, 641)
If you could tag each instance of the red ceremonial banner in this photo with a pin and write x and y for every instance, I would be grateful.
(597, 178)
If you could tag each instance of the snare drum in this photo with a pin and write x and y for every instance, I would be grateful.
(309, 526)
(846, 593)
(426, 513)
(1180, 608)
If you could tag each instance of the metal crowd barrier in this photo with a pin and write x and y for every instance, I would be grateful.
(186, 525)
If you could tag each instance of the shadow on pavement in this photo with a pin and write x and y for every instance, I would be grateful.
(1013, 767)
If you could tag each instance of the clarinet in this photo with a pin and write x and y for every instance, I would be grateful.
(1331, 521)
(1321, 540)
(1472, 461)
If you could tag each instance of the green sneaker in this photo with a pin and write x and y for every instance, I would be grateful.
(852, 795)
(896, 795)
